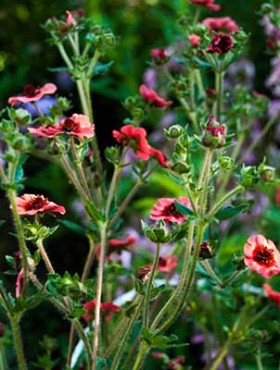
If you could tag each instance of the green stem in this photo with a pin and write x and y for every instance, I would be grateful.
(97, 317)
(80, 170)
(20, 236)
(142, 352)
(224, 200)
(221, 355)
(83, 98)
(231, 278)
(18, 342)
(124, 341)
(45, 256)
(111, 191)
(184, 295)
(64, 56)
(258, 359)
(85, 340)
(92, 64)
(219, 88)
(125, 202)
(148, 289)
(209, 269)
(89, 259)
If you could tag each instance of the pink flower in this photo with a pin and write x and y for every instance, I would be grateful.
(77, 125)
(272, 293)
(73, 16)
(262, 256)
(32, 93)
(167, 264)
(225, 24)
(209, 4)
(165, 210)
(107, 307)
(221, 44)
(277, 197)
(214, 134)
(121, 243)
(150, 96)
(194, 40)
(31, 204)
(136, 139)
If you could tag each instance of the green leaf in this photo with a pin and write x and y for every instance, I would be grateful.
(231, 211)
(73, 226)
(102, 68)
(58, 69)
(93, 211)
(184, 210)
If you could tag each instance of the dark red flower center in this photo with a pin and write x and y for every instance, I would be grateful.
(172, 211)
(30, 91)
(162, 262)
(222, 42)
(37, 203)
(264, 256)
(70, 125)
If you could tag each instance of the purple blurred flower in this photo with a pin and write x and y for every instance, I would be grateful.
(44, 105)
(241, 72)
(150, 78)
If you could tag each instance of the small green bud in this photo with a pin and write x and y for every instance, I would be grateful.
(266, 8)
(173, 132)
(112, 154)
(226, 163)
(249, 177)
(181, 167)
(56, 148)
(20, 116)
(7, 126)
(199, 29)
(109, 40)
(267, 173)
(157, 233)
(21, 143)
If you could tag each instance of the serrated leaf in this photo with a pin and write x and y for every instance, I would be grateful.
(73, 226)
(230, 211)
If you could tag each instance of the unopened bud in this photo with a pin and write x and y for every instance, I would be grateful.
(173, 132)
(205, 251)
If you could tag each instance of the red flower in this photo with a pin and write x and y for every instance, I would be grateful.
(159, 156)
(136, 138)
(209, 4)
(107, 307)
(122, 242)
(31, 204)
(194, 40)
(32, 93)
(167, 264)
(262, 256)
(76, 125)
(221, 44)
(225, 24)
(165, 210)
(277, 197)
(272, 293)
(150, 96)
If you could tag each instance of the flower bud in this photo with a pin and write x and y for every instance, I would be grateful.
(144, 272)
(226, 163)
(112, 154)
(205, 251)
(181, 167)
(56, 148)
(109, 40)
(20, 116)
(157, 233)
(159, 56)
(173, 132)
(249, 177)
(7, 126)
(21, 143)
(214, 134)
(267, 173)
(266, 8)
